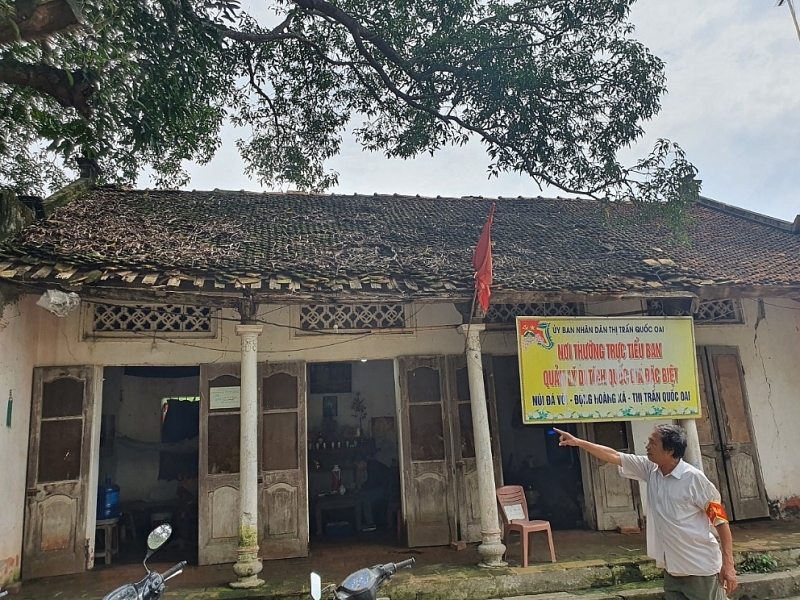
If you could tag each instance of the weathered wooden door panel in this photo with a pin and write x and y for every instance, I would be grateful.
(708, 433)
(465, 470)
(431, 486)
(281, 516)
(737, 445)
(428, 503)
(57, 497)
(283, 491)
(494, 421)
(614, 496)
(218, 479)
(223, 506)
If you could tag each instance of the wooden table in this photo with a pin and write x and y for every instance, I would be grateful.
(337, 501)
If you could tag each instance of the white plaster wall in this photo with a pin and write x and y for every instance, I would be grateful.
(768, 354)
(19, 328)
(63, 344)
(770, 349)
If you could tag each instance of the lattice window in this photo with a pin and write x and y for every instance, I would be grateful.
(719, 311)
(174, 320)
(708, 311)
(506, 313)
(320, 317)
(655, 308)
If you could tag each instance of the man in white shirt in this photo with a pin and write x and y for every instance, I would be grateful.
(682, 505)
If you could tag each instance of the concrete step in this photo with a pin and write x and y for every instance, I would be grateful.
(752, 586)
(577, 578)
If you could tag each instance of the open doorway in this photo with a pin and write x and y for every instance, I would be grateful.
(353, 459)
(148, 461)
(532, 458)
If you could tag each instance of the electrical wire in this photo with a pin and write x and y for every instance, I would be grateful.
(148, 335)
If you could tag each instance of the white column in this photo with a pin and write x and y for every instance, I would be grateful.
(693, 455)
(248, 565)
(491, 547)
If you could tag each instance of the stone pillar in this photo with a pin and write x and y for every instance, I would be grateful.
(248, 565)
(491, 547)
(693, 455)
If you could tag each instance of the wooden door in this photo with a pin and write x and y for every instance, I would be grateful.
(283, 491)
(465, 469)
(57, 497)
(429, 510)
(742, 471)
(494, 420)
(218, 479)
(615, 498)
(708, 433)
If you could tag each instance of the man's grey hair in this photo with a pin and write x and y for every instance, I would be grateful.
(673, 437)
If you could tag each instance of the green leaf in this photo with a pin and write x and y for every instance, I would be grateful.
(554, 89)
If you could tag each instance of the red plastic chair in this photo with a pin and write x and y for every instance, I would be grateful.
(511, 500)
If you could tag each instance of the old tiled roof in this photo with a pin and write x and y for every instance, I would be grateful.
(276, 243)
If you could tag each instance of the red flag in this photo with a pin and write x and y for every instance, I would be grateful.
(482, 261)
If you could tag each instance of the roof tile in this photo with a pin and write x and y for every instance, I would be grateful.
(399, 244)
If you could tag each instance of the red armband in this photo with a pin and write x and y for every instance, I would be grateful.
(716, 513)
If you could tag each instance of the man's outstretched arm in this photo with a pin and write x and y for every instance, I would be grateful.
(604, 453)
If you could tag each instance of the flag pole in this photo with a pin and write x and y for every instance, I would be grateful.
(480, 259)
(469, 319)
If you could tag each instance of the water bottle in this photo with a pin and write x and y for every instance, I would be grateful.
(107, 500)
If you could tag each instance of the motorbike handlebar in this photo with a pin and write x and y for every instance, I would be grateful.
(390, 569)
(405, 563)
(174, 570)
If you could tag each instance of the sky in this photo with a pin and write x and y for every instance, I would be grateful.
(733, 104)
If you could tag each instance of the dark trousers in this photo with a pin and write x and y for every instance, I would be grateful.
(693, 587)
(371, 499)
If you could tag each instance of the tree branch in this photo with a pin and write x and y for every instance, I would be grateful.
(361, 35)
(276, 34)
(449, 118)
(355, 28)
(71, 90)
(37, 19)
(254, 84)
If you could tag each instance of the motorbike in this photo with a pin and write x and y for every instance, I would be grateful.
(361, 585)
(153, 585)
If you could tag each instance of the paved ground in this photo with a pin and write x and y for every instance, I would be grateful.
(334, 559)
